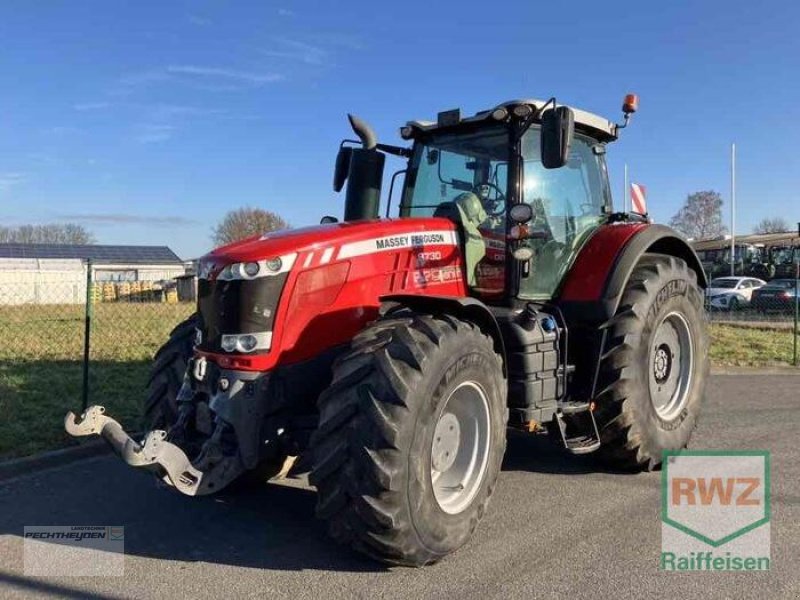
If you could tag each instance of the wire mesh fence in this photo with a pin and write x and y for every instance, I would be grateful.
(67, 338)
(62, 346)
(754, 321)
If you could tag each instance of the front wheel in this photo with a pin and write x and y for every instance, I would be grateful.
(654, 365)
(410, 438)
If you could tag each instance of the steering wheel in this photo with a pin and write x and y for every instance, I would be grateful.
(491, 206)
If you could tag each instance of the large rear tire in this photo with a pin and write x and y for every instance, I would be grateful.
(410, 438)
(166, 376)
(654, 365)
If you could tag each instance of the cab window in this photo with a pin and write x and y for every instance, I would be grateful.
(568, 204)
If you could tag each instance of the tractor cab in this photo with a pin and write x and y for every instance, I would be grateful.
(525, 182)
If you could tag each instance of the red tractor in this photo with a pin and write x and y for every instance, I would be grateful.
(391, 354)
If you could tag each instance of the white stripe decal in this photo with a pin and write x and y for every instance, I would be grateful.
(308, 260)
(326, 256)
(414, 239)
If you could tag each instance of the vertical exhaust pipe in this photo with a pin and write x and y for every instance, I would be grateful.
(364, 173)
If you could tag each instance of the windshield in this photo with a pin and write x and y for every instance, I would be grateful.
(464, 177)
(783, 255)
(448, 165)
(723, 283)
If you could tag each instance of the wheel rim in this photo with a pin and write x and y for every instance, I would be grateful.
(672, 364)
(460, 447)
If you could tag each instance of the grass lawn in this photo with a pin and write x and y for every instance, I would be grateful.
(42, 348)
(747, 346)
(41, 366)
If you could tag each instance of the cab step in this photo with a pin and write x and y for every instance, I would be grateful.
(578, 427)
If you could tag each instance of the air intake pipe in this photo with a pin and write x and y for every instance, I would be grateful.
(363, 170)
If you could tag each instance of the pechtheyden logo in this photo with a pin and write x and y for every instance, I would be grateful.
(74, 550)
(715, 510)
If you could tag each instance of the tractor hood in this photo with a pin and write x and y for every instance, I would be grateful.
(320, 237)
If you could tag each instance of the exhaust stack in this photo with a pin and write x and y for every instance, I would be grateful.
(363, 170)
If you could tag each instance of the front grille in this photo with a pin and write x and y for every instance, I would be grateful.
(238, 306)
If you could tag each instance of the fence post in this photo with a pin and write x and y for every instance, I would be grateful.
(796, 308)
(87, 334)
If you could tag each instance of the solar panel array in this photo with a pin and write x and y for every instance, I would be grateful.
(133, 255)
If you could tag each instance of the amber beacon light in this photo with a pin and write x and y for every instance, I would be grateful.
(631, 104)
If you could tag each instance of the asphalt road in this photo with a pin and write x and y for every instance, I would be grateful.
(558, 526)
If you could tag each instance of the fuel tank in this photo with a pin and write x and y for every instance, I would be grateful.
(299, 292)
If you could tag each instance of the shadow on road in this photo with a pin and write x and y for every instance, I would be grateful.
(268, 527)
(543, 454)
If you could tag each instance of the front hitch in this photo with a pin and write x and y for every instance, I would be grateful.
(210, 473)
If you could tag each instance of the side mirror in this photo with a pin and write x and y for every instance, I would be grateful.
(327, 220)
(342, 168)
(558, 127)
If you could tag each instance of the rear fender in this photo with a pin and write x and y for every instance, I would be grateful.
(465, 308)
(593, 289)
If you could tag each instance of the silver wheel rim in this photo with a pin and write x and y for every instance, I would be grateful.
(671, 366)
(460, 448)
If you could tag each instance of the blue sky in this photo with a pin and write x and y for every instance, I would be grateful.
(146, 121)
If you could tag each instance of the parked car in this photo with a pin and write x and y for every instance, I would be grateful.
(778, 294)
(732, 293)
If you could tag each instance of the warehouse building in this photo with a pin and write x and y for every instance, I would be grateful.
(56, 273)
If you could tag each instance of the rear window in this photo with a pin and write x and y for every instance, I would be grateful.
(782, 283)
(723, 283)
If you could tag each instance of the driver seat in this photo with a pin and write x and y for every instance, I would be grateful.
(468, 213)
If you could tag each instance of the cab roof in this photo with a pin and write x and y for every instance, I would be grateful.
(585, 122)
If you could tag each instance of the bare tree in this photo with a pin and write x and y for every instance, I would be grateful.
(776, 225)
(67, 233)
(246, 222)
(700, 217)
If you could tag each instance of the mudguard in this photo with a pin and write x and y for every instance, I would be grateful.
(593, 288)
(467, 308)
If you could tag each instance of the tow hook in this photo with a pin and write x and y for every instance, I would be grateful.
(154, 453)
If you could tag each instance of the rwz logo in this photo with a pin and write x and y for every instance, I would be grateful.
(705, 492)
(715, 501)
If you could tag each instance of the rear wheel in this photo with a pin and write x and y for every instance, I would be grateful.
(410, 438)
(654, 365)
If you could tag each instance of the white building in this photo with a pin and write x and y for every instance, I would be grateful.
(56, 273)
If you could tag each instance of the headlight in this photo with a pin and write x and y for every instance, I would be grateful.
(251, 269)
(247, 343)
(273, 265)
(254, 269)
(229, 342)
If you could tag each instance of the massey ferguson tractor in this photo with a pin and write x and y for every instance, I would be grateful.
(389, 356)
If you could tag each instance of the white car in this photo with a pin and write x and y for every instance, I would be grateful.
(731, 293)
